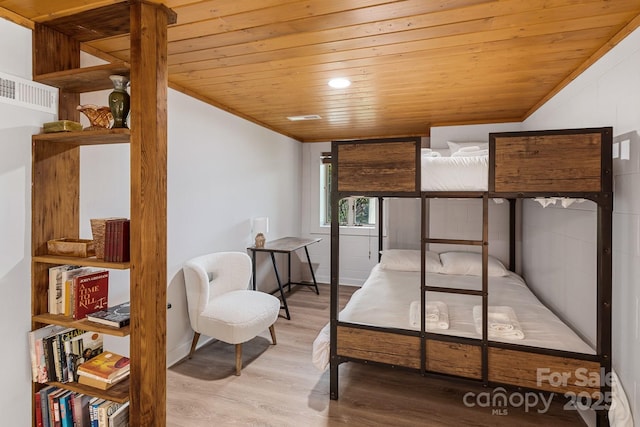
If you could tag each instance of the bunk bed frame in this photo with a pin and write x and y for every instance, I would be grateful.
(573, 163)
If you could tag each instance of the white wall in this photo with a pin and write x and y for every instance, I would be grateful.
(608, 94)
(17, 124)
(222, 171)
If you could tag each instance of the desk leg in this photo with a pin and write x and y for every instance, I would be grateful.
(284, 299)
(313, 276)
(289, 271)
(253, 269)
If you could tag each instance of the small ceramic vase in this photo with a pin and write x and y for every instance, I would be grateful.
(119, 101)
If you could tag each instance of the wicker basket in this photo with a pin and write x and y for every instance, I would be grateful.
(97, 232)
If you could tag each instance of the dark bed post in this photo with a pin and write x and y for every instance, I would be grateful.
(335, 256)
(604, 297)
(512, 234)
(380, 226)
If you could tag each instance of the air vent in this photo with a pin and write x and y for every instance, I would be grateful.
(26, 93)
(307, 117)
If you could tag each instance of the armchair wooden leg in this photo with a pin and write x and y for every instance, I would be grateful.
(238, 358)
(272, 330)
(196, 336)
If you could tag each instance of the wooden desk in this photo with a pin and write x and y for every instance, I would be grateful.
(286, 245)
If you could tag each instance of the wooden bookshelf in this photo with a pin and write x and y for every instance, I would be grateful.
(56, 186)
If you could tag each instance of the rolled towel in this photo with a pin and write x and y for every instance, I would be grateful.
(502, 322)
(436, 315)
(432, 313)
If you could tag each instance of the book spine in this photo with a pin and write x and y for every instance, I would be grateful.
(48, 354)
(126, 241)
(109, 241)
(38, 408)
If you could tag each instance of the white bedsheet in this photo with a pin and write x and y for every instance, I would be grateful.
(455, 173)
(386, 296)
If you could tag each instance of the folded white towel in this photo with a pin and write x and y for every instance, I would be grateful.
(501, 322)
(436, 315)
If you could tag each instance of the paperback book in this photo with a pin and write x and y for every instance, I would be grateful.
(106, 366)
(116, 316)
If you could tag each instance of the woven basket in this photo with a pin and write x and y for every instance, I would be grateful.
(98, 226)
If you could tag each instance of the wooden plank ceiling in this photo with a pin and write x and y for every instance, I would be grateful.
(413, 64)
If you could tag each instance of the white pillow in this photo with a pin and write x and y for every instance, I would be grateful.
(470, 264)
(409, 260)
(470, 153)
(454, 147)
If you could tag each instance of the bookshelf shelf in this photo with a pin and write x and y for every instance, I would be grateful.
(87, 137)
(57, 319)
(118, 393)
(86, 79)
(83, 262)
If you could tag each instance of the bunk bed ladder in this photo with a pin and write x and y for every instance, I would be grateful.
(483, 292)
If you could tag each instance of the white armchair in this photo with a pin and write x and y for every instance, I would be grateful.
(222, 306)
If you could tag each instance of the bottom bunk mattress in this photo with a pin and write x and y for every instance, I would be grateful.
(389, 298)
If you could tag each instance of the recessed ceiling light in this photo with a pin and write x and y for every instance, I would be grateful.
(305, 117)
(339, 83)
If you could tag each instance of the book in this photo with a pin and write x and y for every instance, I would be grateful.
(93, 410)
(66, 417)
(107, 365)
(91, 293)
(82, 348)
(105, 411)
(120, 418)
(68, 275)
(116, 316)
(100, 383)
(56, 284)
(49, 355)
(38, 412)
(67, 364)
(44, 403)
(36, 350)
(109, 239)
(54, 407)
(81, 410)
(117, 240)
(125, 245)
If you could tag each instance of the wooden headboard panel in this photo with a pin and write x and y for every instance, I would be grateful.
(564, 161)
(389, 165)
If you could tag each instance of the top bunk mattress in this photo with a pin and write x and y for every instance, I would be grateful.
(469, 173)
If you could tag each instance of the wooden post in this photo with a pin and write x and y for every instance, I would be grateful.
(148, 212)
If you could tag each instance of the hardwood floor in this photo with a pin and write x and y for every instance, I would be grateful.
(279, 386)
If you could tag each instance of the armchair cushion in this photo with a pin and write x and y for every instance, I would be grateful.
(238, 316)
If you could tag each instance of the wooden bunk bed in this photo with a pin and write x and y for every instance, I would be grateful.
(573, 163)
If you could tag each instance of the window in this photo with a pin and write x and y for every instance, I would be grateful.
(356, 211)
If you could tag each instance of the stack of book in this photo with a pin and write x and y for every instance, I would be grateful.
(116, 240)
(57, 351)
(55, 406)
(77, 291)
(104, 371)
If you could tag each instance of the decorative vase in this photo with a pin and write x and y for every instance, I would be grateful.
(119, 101)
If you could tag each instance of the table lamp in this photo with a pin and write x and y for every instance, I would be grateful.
(260, 228)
